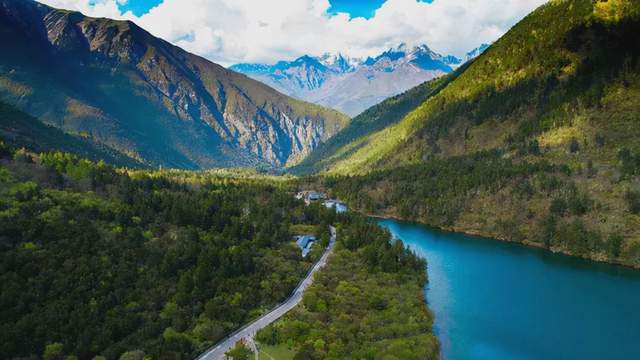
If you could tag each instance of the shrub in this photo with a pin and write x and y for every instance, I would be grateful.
(240, 352)
(548, 229)
(53, 351)
(615, 245)
(558, 206)
(5, 151)
(534, 147)
(133, 355)
(576, 236)
(574, 146)
(633, 201)
(629, 163)
(578, 203)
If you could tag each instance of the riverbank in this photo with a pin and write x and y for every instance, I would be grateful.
(368, 302)
(525, 242)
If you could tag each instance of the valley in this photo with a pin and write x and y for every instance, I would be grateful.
(101, 263)
(157, 205)
(532, 142)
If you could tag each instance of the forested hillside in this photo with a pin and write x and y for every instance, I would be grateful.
(95, 261)
(535, 141)
(374, 119)
(368, 303)
(21, 130)
(120, 264)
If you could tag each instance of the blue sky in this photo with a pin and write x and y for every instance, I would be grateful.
(355, 8)
(358, 8)
(139, 7)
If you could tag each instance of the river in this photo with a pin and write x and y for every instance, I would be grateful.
(497, 300)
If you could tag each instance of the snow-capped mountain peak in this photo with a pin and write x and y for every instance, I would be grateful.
(420, 56)
(353, 84)
(339, 62)
(477, 51)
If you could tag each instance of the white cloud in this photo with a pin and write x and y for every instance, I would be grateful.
(230, 31)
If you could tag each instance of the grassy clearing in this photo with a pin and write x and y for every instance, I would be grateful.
(304, 229)
(276, 352)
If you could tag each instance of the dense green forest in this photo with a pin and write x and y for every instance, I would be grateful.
(99, 261)
(368, 303)
(534, 202)
(535, 141)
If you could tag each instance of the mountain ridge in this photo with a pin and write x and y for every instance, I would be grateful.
(327, 78)
(372, 120)
(147, 98)
(20, 130)
(534, 141)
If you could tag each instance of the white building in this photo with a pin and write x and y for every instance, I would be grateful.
(338, 205)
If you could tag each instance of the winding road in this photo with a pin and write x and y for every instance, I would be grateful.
(217, 351)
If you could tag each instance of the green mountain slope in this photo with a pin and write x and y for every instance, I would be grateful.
(520, 87)
(21, 130)
(142, 96)
(374, 119)
(97, 262)
(535, 141)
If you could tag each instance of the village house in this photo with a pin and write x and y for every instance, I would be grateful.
(311, 196)
(305, 242)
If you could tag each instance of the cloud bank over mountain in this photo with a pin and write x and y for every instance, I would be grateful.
(233, 31)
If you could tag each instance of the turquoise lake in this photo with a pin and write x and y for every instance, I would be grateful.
(497, 300)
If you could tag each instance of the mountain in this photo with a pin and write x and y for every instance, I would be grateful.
(302, 76)
(452, 61)
(116, 84)
(339, 63)
(477, 51)
(352, 85)
(374, 119)
(305, 73)
(534, 141)
(20, 130)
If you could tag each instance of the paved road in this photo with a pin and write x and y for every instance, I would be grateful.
(248, 332)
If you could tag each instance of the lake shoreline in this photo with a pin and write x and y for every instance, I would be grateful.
(492, 300)
(526, 243)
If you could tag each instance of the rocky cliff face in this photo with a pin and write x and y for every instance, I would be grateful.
(145, 97)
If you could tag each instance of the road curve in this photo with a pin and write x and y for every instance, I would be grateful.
(217, 351)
